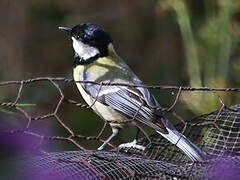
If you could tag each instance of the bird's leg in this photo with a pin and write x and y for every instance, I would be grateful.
(137, 133)
(114, 133)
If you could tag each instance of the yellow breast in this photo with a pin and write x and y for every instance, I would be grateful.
(106, 112)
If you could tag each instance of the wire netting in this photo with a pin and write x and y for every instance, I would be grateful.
(216, 133)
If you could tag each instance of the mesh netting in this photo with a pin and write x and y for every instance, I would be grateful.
(217, 133)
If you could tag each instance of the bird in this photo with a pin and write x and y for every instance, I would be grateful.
(95, 60)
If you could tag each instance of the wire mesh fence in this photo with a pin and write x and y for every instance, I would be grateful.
(216, 133)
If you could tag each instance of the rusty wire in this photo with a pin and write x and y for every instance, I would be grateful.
(72, 136)
(54, 81)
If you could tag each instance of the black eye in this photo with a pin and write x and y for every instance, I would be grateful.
(77, 37)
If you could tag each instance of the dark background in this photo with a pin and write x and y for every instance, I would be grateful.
(165, 42)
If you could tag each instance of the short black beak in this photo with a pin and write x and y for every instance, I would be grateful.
(67, 29)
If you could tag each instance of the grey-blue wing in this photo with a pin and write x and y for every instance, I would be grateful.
(132, 102)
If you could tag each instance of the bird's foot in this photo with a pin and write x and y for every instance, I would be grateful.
(132, 144)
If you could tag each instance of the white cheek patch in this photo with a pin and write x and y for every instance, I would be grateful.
(83, 50)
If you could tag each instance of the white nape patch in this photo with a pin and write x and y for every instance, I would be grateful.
(132, 144)
(83, 50)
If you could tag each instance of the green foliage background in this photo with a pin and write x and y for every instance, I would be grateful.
(166, 42)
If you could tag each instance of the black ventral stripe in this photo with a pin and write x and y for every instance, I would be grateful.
(81, 61)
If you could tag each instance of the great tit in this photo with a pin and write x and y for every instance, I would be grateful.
(96, 60)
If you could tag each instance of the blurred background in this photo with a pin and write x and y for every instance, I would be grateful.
(165, 42)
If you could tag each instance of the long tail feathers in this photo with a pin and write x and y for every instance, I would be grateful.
(190, 149)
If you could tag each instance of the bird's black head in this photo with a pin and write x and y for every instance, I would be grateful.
(90, 41)
(91, 34)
